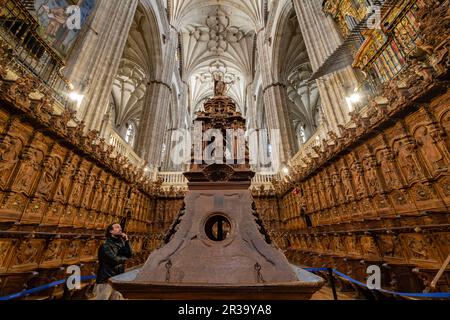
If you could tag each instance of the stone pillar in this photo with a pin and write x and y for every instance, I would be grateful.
(322, 38)
(152, 124)
(94, 63)
(277, 112)
(156, 107)
(250, 113)
(276, 105)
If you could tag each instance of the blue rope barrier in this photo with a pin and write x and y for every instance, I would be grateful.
(445, 295)
(340, 274)
(42, 288)
(315, 269)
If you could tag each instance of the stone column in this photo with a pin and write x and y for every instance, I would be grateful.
(154, 114)
(276, 105)
(277, 112)
(250, 113)
(94, 63)
(156, 107)
(322, 38)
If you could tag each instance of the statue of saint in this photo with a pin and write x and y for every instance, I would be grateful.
(220, 86)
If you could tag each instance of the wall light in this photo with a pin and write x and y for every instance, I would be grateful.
(76, 97)
(355, 98)
(352, 100)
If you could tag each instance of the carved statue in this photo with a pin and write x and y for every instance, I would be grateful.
(107, 198)
(98, 194)
(351, 244)
(322, 194)
(48, 177)
(337, 182)
(368, 245)
(407, 160)
(65, 180)
(88, 190)
(346, 182)
(53, 251)
(26, 253)
(28, 171)
(371, 175)
(72, 250)
(418, 249)
(20, 90)
(220, 86)
(389, 244)
(330, 193)
(9, 151)
(78, 187)
(431, 153)
(358, 179)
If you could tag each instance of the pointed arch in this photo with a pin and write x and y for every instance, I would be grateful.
(289, 49)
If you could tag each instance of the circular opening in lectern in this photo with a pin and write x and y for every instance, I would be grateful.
(217, 228)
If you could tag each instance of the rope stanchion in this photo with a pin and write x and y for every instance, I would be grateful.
(436, 295)
(42, 288)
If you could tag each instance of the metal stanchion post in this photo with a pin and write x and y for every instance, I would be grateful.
(333, 286)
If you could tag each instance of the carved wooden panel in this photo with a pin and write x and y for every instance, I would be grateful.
(26, 255)
(420, 250)
(53, 254)
(6, 250)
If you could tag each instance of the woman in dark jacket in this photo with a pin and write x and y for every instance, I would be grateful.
(112, 256)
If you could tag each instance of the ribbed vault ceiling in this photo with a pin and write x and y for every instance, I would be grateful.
(217, 36)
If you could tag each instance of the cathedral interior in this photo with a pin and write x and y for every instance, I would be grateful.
(344, 107)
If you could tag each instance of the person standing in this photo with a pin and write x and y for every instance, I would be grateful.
(112, 256)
